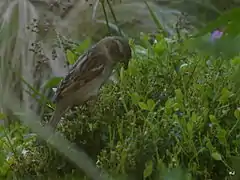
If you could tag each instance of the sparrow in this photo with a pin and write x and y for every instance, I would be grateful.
(91, 70)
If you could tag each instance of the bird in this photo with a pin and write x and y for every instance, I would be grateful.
(88, 74)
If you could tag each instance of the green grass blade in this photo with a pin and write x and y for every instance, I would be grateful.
(155, 18)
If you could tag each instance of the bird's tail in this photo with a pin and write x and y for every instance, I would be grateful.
(56, 117)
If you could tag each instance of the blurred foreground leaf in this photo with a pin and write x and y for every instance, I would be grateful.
(53, 82)
(229, 21)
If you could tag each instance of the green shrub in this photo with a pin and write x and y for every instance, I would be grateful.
(170, 109)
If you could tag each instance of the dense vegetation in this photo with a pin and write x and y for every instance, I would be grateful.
(173, 114)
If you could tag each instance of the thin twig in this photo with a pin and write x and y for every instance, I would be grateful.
(105, 15)
(114, 17)
(95, 9)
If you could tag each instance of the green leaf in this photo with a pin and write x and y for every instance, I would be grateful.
(213, 119)
(225, 95)
(70, 57)
(237, 113)
(221, 135)
(143, 106)
(151, 104)
(135, 98)
(216, 156)
(148, 169)
(132, 70)
(53, 82)
(194, 117)
(84, 45)
(209, 145)
(144, 42)
(179, 95)
(235, 60)
(168, 106)
(159, 47)
(122, 74)
(190, 128)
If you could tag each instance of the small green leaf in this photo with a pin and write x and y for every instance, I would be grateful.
(194, 117)
(225, 94)
(209, 145)
(135, 98)
(237, 113)
(151, 104)
(84, 45)
(221, 135)
(53, 82)
(169, 106)
(70, 57)
(159, 37)
(121, 74)
(190, 128)
(236, 60)
(148, 169)
(145, 41)
(143, 106)
(213, 119)
(216, 156)
(179, 95)
(132, 70)
(159, 48)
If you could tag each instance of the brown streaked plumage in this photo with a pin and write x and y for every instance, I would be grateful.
(88, 74)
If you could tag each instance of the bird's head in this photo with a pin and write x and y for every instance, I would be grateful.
(119, 49)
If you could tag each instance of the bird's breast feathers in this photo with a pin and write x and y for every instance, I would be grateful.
(92, 87)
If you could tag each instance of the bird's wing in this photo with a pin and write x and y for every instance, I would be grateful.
(88, 67)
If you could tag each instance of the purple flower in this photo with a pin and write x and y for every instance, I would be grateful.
(217, 34)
